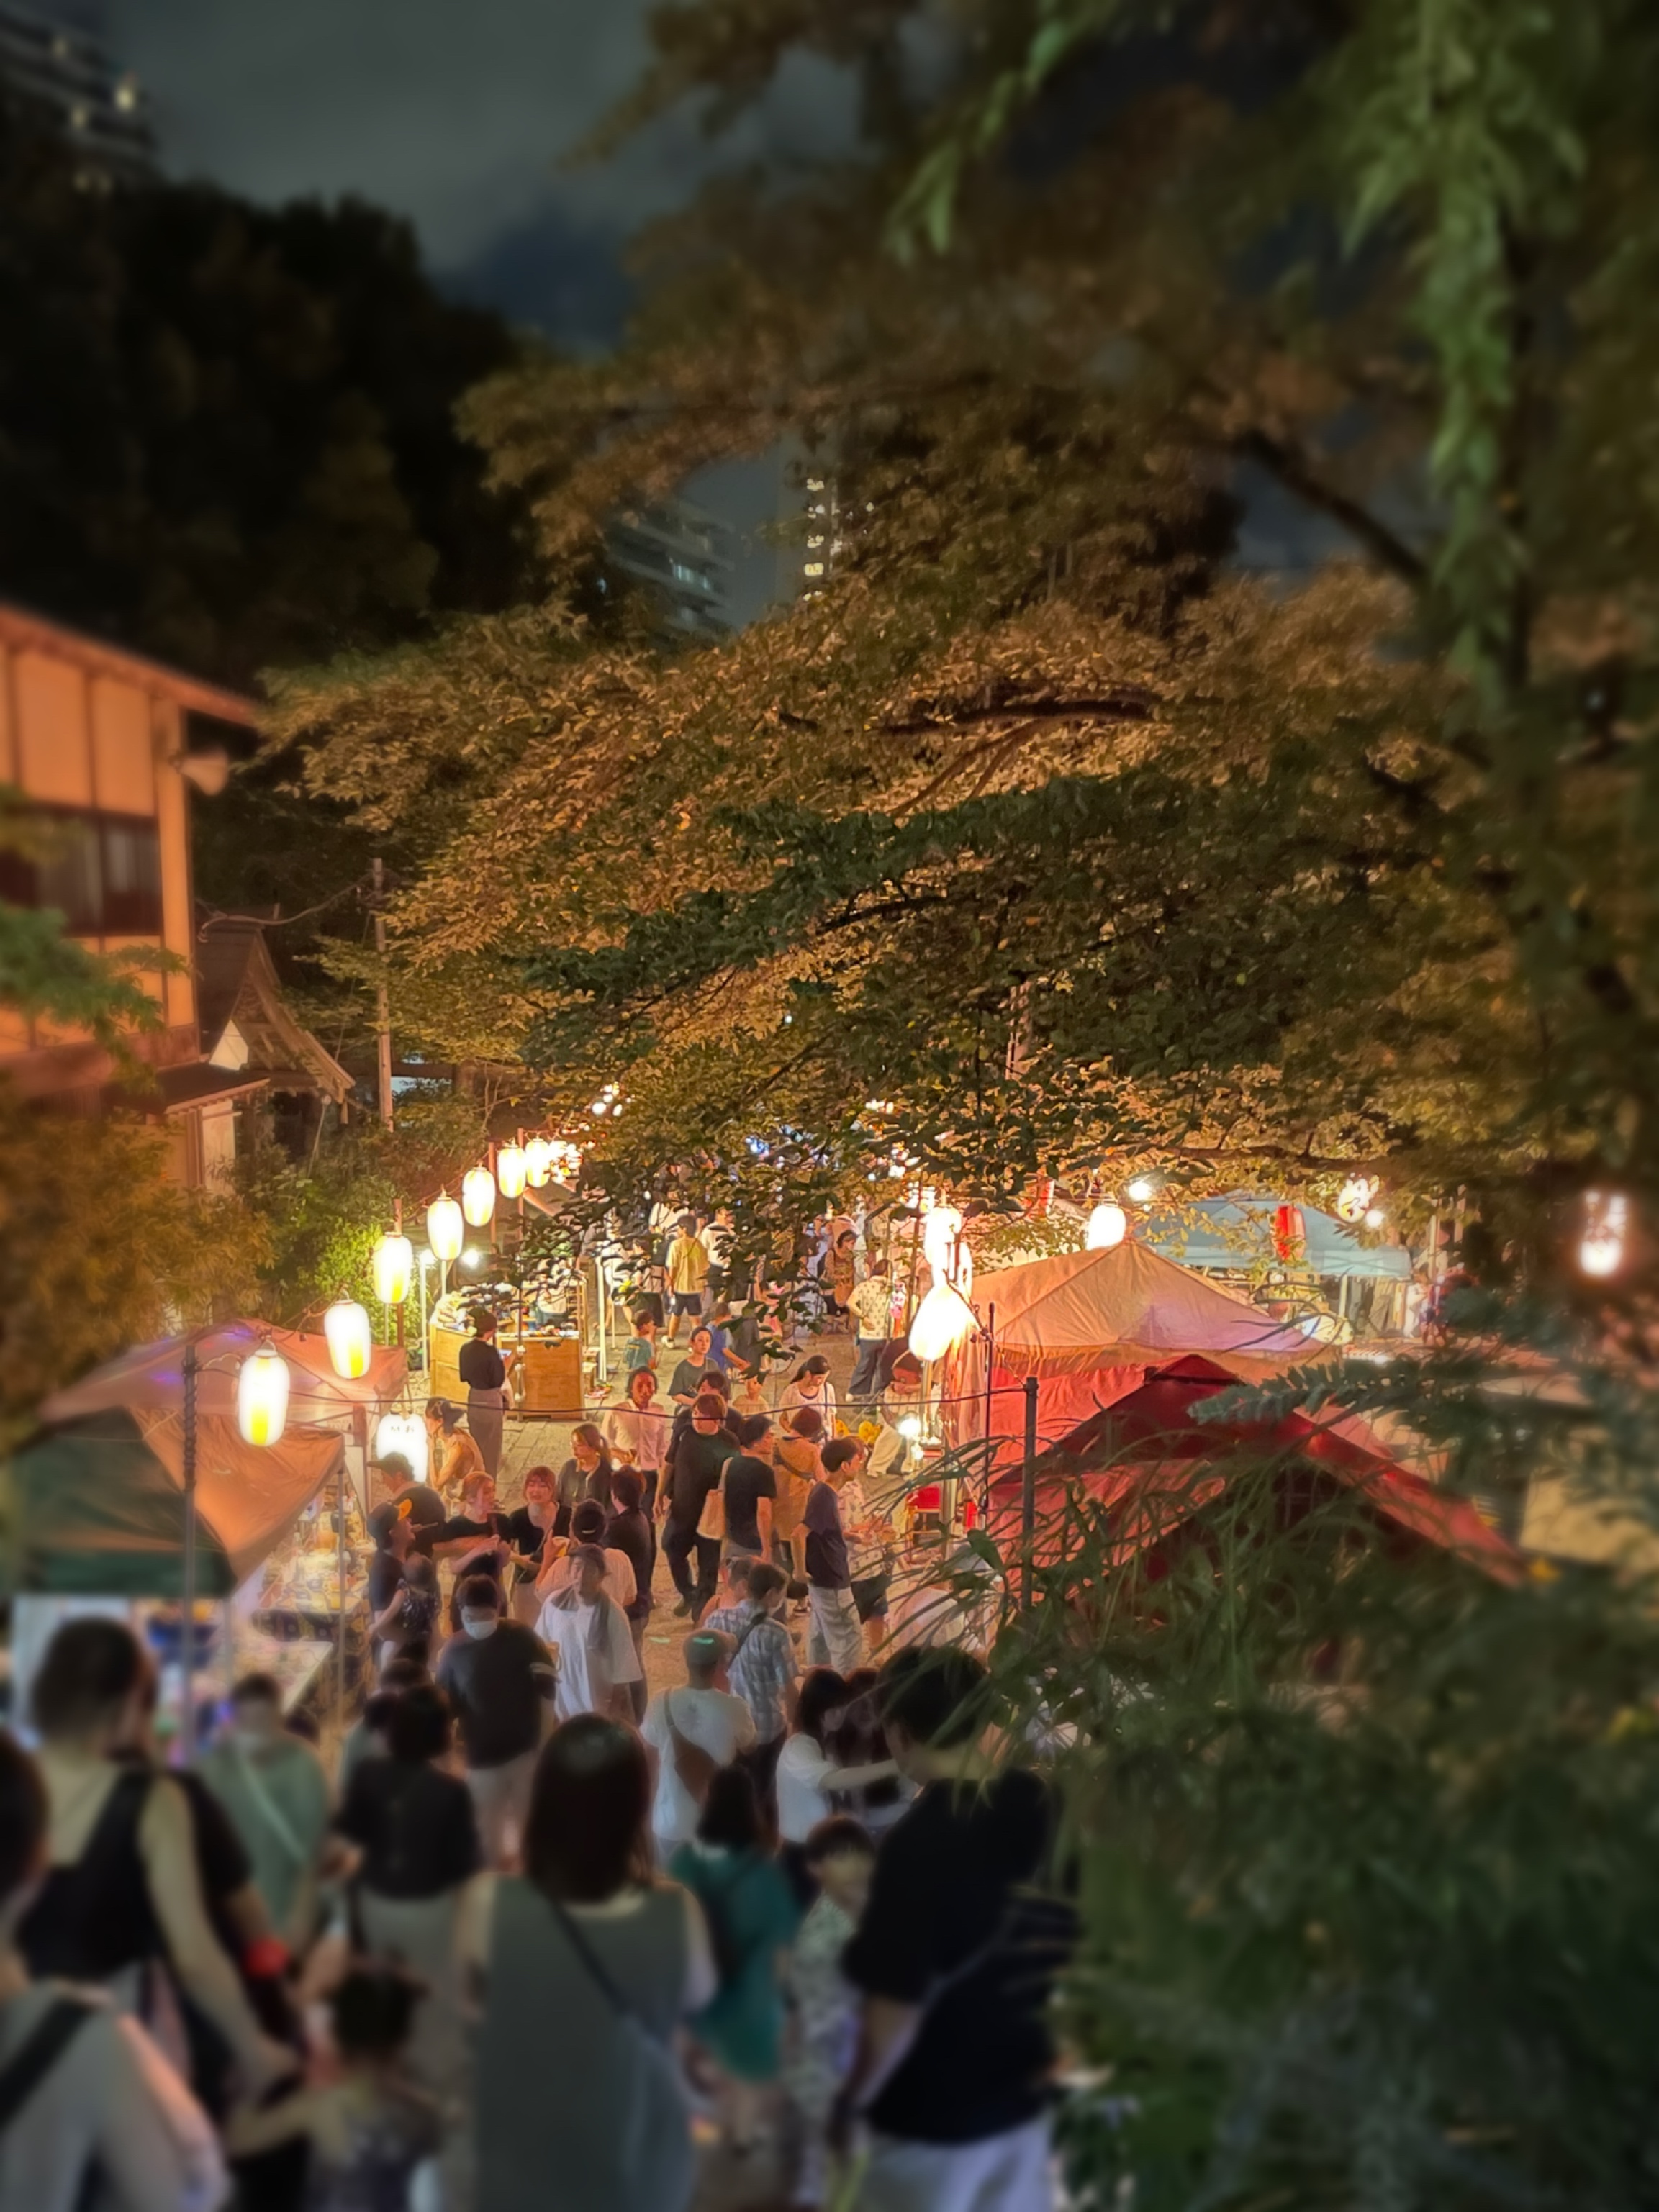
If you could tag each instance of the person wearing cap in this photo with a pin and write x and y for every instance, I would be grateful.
(589, 1633)
(704, 1715)
(587, 1526)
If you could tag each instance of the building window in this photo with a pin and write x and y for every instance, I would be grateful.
(102, 872)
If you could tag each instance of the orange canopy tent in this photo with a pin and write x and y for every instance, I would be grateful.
(151, 1377)
(1091, 1325)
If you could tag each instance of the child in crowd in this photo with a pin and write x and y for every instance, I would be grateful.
(640, 1353)
(825, 2029)
(368, 2129)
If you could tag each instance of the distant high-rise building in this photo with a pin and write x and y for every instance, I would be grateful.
(61, 76)
(684, 558)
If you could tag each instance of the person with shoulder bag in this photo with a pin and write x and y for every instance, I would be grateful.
(90, 2111)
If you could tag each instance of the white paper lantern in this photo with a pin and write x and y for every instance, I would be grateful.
(479, 1197)
(537, 1163)
(1108, 1225)
(262, 1396)
(511, 1171)
(1607, 1218)
(445, 1231)
(350, 1340)
(940, 1229)
(943, 1319)
(393, 1268)
(404, 1433)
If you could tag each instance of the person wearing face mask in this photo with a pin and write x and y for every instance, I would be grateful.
(275, 1790)
(499, 1680)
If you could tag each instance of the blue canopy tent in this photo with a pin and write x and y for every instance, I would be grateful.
(1234, 1235)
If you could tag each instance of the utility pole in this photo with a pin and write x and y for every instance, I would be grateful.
(382, 1001)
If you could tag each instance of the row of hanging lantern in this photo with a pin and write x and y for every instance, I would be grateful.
(264, 1382)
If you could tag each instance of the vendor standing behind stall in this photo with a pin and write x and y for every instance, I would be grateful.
(483, 1370)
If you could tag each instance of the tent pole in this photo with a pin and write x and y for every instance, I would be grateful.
(1027, 1499)
(990, 1378)
(192, 1369)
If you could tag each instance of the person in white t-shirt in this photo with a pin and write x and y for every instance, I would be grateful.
(805, 1770)
(704, 1714)
(590, 1633)
(587, 1527)
(103, 2098)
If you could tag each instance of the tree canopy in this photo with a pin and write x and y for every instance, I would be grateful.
(1042, 822)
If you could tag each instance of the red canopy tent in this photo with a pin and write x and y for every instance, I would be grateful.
(1153, 1464)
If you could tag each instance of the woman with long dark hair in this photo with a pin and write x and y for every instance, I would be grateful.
(752, 1914)
(580, 1969)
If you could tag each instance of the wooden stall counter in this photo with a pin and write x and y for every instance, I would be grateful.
(547, 1379)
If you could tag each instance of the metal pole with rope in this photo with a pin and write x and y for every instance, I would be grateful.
(1028, 1497)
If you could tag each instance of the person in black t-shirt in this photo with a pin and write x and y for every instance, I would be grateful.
(501, 1680)
(699, 1462)
(954, 1960)
(418, 1503)
(751, 1490)
(483, 1370)
(479, 1540)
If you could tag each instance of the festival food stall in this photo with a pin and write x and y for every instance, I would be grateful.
(1241, 1239)
(281, 1528)
(96, 1514)
(541, 1323)
(1153, 1464)
(1090, 1325)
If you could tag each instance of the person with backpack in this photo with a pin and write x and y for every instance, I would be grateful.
(87, 2100)
(579, 1971)
(752, 1919)
(691, 1733)
(762, 1669)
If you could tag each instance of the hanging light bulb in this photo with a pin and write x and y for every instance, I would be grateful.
(350, 1340)
(445, 1231)
(537, 1163)
(511, 1170)
(943, 1319)
(479, 1197)
(1107, 1225)
(393, 1268)
(1143, 1190)
(404, 1433)
(261, 1394)
(1607, 1219)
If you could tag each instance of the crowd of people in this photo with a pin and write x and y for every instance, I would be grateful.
(810, 1911)
(543, 1929)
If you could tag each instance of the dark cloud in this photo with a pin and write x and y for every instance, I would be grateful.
(453, 112)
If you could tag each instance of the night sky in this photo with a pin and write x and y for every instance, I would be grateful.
(452, 112)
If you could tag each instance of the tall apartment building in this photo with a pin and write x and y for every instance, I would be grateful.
(685, 558)
(58, 74)
(104, 746)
